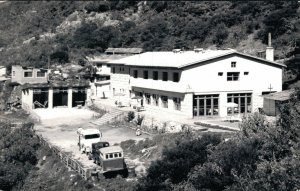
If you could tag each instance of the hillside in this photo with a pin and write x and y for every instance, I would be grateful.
(65, 31)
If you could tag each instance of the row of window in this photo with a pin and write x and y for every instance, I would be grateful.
(209, 104)
(29, 74)
(164, 101)
(233, 76)
(165, 75)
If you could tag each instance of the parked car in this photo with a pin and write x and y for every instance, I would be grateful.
(86, 137)
(94, 154)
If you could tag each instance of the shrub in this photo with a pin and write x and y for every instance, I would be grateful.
(130, 116)
(139, 120)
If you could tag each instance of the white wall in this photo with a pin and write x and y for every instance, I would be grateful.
(205, 78)
(157, 84)
(120, 81)
(2, 71)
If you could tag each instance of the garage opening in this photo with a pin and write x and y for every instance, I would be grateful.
(79, 97)
(60, 97)
(40, 98)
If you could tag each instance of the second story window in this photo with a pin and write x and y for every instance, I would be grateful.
(28, 74)
(135, 73)
(145, 74)
(165, 76)
(220, 73)
(113, 70)
(233, 64)
(175, 77)
(155, 75)
(233, 76)
(40, 74)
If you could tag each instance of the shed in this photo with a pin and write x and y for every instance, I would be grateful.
(272, 101)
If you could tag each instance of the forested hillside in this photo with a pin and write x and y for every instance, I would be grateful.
(33, 33)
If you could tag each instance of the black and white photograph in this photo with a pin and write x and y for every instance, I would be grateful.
(149, 95)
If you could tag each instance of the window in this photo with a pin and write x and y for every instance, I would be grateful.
(148, 98)
(233, 76)
(233, 64)
(204, 105)
(40, 74)
(120, 154)
(177, 103)
(246, 73)
(155, 99)
(155, 75)
(116, 155)
(175, 77)
(113, 70)
(13, 73)
(165, 76)
(145, 74)
(108, 65)
(220, 74)
(135, 73)
(243, 101)
(106, 156)
(120, 69)
(27, 74)
(111, 156)
(164, 101)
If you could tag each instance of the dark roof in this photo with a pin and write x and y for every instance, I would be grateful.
(124, 50)
(58, 84)
(280, 96)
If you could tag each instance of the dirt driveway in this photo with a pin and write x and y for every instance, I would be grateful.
(61, 132)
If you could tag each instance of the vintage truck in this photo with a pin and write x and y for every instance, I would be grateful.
(94, 154)
(86, 137)
(111, 159)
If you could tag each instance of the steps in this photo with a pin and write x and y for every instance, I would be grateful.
(108, 117)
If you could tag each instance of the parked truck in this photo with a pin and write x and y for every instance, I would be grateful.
(86, 137)
(111, 159)
(94, 154)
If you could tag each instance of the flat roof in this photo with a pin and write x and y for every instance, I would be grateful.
(104, 58)
(90, 131)
(124, 50)
(181, 59)
(57, 84)
(111, 149)
(280, 96)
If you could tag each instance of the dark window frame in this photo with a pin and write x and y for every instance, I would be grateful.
(155, 75)
(175, 76)
(233, 64)
(165, 76)
(146, 74)
(135, 74)
(233, 76)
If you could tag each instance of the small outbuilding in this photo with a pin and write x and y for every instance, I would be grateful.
(274, 100)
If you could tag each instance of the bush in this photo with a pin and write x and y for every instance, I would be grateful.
(19, 155)
(177, 162)
(130, 116)
(139, 120)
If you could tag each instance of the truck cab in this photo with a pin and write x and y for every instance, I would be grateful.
(111, 159)
(86, 137)
(94, 154)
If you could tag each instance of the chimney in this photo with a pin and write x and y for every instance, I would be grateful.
(270, 50)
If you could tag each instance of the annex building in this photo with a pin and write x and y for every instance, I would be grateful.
(196, 83)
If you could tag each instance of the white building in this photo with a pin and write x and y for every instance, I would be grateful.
(100, 86)
(2, 70)
(197, 83)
